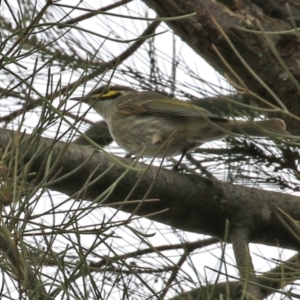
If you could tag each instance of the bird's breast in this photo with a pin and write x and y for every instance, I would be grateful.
(138, 132)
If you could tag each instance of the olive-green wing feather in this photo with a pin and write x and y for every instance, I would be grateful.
(159, 105)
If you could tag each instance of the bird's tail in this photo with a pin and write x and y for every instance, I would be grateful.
(259, 128)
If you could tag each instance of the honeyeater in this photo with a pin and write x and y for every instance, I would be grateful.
(159, 126)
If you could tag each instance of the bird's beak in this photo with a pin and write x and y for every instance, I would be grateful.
(77, 99)
(83, 99)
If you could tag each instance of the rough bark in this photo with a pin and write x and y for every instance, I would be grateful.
(186, 202)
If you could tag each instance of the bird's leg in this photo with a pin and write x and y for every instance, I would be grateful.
(154, 143)
(136, 153)
(130, 154)
(184, 151)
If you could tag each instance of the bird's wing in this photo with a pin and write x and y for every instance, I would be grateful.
(159, 105)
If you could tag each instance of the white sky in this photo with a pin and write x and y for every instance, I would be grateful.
(206, 259)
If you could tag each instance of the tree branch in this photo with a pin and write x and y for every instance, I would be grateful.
(187, 202)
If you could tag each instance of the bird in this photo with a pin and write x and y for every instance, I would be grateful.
(154, 125)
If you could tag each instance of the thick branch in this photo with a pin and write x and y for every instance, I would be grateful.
(187, 202)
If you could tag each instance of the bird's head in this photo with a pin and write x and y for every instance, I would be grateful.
(103, 93)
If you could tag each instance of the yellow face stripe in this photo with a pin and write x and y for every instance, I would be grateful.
(108, 94)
